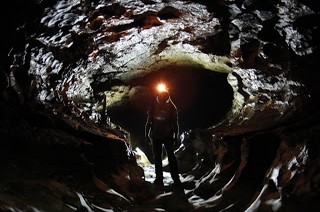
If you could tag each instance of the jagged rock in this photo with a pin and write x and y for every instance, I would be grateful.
(255, 148)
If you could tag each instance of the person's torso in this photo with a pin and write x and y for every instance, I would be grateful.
(162, 120)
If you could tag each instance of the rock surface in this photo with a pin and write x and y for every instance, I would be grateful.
(77, 77)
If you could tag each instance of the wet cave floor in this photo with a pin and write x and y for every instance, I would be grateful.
(202, 186)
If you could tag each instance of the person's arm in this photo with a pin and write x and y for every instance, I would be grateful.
(175, 123)
(176, 129)
(148, 126)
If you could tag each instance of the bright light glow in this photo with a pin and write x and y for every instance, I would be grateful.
(162, 87)
(141, 157)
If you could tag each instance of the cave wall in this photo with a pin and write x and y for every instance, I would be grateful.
(61, 57)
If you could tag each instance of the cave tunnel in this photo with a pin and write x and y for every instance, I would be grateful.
(203, 97)
(55, 158)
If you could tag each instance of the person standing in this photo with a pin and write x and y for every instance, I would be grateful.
(162, 129)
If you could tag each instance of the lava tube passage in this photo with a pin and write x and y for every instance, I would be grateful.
(202, 97)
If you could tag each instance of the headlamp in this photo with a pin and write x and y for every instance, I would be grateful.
(162, 87)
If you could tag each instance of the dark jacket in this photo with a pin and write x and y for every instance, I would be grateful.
(162, 120)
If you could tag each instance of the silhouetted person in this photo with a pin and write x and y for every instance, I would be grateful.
(162, 129)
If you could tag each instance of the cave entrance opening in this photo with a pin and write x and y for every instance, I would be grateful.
(203, 97)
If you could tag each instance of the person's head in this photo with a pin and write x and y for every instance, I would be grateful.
(163, 96)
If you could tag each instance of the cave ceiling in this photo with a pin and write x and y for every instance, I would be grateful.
(80, 51)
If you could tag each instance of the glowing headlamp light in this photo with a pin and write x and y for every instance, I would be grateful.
(162, 87)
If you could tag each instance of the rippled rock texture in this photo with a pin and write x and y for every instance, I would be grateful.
(79, 76)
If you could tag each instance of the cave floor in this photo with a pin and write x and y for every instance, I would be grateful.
(166, 197)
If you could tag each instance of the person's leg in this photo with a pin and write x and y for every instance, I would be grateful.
(174, 171)
(157, 152)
